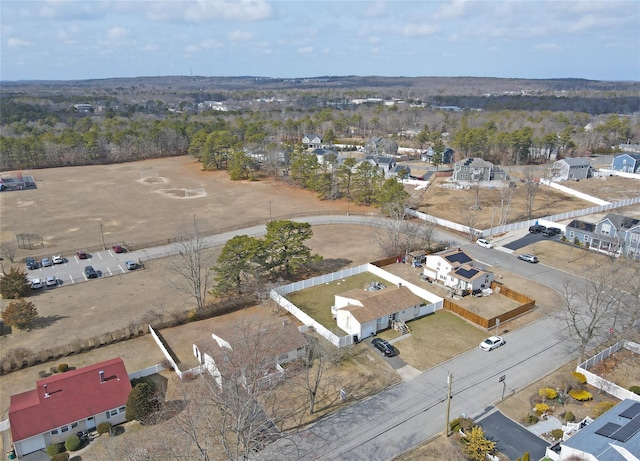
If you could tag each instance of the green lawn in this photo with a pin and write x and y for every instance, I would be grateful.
(317, 301)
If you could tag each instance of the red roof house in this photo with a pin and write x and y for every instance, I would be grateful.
(67, 403)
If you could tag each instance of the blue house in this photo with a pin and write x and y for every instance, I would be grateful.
(614, 234)
(627, 162)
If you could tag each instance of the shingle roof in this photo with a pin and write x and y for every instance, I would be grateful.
(380, 303)
(576, 161)
(581, 225)
(68, 397)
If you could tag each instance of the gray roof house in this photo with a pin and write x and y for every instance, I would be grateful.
(627, 162)
(456, 269)
(614, 436)
(384, 164)
(312, 141)
(477, 169)
(614, 234)
(447, 156)
(325, 156)
(377, 146)
(572, 168)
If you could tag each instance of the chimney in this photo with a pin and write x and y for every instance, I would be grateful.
(101, 373)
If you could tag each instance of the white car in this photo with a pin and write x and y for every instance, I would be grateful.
(492, 342)
(51, 281)
(57, 259)
(484, 243)
(36, 284)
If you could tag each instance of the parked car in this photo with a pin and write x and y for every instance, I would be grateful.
(551, 231)
(36, 284)
(528, 258)
(46, 262)
(82, 254)
(118, 249)
(492, 342)
(384, 347)
(537, 228)
(31, 263)
(57, 259)
(484, 243)
(51, 281)
(90, 272)
(131, 265)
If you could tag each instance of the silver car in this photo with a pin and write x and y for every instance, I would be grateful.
(528, 258)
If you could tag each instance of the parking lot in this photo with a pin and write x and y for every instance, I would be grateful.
(72, 269)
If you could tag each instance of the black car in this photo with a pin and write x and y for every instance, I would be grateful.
(31, 263)
(384, 347)
(551, 231)
(537, 228)
(90, 272)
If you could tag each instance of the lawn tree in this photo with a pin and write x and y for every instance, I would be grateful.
(240, 165)
(8, 250)
(594, 306)
(14, 284)
(392, 198)
(193, 263)
(284, 248)
(469, 217)
(345, 175)
(476, 445)
(236, 264)
(19, 313)
(365, 183)
(507, 189)
(142, 403)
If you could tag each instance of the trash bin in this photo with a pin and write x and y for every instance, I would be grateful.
(11, 455)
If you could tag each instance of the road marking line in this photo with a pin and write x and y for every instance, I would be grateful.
(111, 273)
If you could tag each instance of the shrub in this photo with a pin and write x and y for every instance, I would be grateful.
(580, 394)
(602, 407)
(55, 448)
(579, 377)
(14, 284)
(104, 428)
(60, 457)
(62, 367)
(569, 416)
(541, 408)
(73, 443)
(142, 403)
(145, 379)
(461, 423)
(557, 434)
(635, 389)
(19, 313)
(192, 315)
(531, 419)
(547, 393)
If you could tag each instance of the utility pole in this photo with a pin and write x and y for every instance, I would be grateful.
(449, 384)
(104, 247)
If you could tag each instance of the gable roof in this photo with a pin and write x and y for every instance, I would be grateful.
(68, 397)
(376, 304)
(581, 225)
(475, 162)
(575, 161)
(633, 155)
(621, 222)
(615, 431)
(455, 257)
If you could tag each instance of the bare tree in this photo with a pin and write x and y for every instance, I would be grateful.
(8, 250)
(593, 307)
(532, 185)
(193, 262)
(470, 219)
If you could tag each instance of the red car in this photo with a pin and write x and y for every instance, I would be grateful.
(82, 255)
(118, 249)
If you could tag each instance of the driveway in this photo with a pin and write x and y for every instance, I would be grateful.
(512, 439)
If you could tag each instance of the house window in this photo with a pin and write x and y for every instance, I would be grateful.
(65, 428)
(606, 229)
(54, 432)
(122, 409)
(572, 234)
(74, 425)
(107, 415)
(634, 237)
(114, 412)
(586, 238)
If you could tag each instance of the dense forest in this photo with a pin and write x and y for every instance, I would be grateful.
(251, 125)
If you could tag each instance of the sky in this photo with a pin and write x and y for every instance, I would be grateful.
(95, 39)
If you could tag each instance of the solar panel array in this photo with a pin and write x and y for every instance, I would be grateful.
(622, 433)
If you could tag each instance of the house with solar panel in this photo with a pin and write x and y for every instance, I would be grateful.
(66, 403)
(457, 270)
(614, 436)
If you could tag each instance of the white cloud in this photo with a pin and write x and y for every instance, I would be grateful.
(452, 10)
(200, 11)
(116, 33)
(418, 30)
(17, 43)
(240, 36)
(305, 50)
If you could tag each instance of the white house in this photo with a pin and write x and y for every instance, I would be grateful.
(236, 355)
(456, 269)
(364, 312)
(312, 141)
(69, 402)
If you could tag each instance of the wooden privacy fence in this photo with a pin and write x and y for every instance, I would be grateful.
(526, 304)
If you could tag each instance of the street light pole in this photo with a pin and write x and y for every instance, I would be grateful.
(104, 247)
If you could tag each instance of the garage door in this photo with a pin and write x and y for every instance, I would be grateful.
(31, 444)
